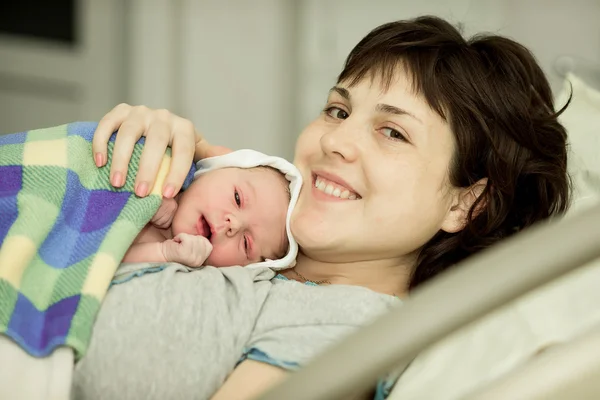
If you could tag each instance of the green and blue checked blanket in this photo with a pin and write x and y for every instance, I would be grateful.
(63, 232)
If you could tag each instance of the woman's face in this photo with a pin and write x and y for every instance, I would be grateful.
(375, 165)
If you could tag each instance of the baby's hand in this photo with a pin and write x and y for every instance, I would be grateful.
(190, 250)
(164, 216)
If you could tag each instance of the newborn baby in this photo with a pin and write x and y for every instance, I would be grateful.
(227, 216)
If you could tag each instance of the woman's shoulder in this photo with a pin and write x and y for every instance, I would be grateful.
(298, 321)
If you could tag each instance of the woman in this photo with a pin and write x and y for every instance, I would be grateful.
(445, 147)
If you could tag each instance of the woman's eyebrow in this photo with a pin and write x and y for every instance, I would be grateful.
(386, 108)
(341, 91)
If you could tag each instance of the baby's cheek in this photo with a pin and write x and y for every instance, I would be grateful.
(223, 257)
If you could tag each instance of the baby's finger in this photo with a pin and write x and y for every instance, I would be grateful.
(157, 140)
(205, 243)
(106, 127)
(183, 237)
(182, 157)
(208, 246)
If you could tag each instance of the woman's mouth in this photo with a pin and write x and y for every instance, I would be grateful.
(203, 228)
(334, 189)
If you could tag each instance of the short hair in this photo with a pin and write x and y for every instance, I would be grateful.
(499, 106)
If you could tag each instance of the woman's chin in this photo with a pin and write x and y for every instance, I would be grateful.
(310, 240)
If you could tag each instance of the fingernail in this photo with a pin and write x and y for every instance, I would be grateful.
(117, 179)
(99, 160)
(168, 191)
(141, 189)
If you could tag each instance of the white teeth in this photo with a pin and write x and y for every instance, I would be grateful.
(332, 190)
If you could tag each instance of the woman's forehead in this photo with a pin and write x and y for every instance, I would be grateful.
(383, 80)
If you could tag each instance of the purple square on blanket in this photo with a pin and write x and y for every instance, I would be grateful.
(11, 178)
(40, 330)
(103, 208)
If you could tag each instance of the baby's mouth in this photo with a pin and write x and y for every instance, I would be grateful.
(203, 228)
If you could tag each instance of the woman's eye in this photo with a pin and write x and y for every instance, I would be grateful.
(393, 134)
(236, 196)
(336, 112)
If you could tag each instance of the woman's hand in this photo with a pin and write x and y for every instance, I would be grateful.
(161, 129)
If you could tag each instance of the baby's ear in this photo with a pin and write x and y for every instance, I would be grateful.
(464, 198)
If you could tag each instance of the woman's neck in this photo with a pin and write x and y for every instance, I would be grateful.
(383, 276)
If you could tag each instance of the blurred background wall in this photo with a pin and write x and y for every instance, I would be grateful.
(247, 73)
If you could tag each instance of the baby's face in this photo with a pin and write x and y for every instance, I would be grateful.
(241, 211)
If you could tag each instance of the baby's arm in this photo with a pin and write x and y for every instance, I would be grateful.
(164, 216)
(145, 252)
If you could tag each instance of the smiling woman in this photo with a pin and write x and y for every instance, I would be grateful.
(430, 148)
(396, 165)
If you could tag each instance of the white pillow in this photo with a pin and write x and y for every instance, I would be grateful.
(582, 121)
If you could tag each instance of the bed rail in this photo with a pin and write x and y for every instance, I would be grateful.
(481, 284)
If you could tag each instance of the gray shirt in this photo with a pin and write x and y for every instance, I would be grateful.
(177, 333)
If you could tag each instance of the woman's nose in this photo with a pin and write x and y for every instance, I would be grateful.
(342, 142)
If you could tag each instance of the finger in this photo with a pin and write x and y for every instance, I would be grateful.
(157, 140)
(106, 127)
(182, 236)
(130, 131)
(204, 240)
(214, 151)
(182, 156)
(205, 244)
(128, 134)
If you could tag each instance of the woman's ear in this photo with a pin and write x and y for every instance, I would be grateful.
(464, 198)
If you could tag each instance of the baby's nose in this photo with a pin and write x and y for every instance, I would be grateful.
(233, 225)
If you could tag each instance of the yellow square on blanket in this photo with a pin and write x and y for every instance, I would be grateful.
(47, 152)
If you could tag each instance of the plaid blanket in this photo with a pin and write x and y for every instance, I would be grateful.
(63, 231)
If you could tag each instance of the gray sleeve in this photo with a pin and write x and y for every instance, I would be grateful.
(298, 321)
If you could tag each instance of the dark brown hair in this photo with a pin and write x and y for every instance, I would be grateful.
(499, 106)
